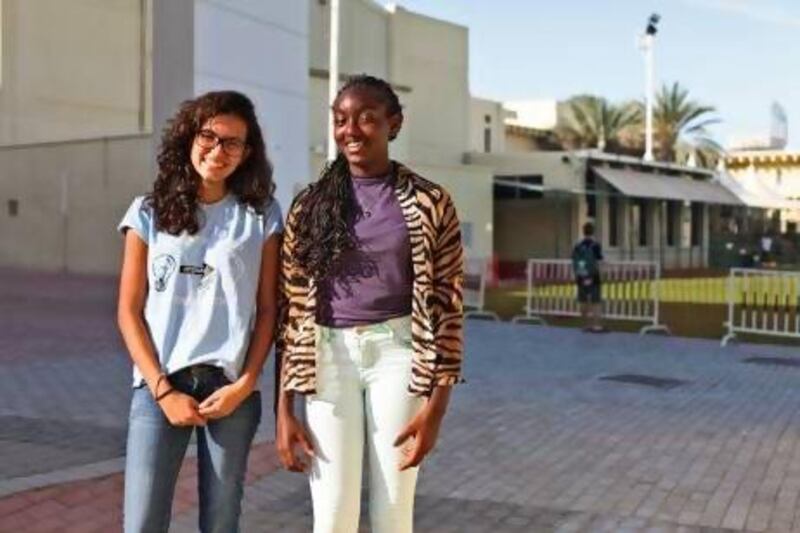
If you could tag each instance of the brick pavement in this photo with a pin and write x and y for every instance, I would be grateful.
(535, 441)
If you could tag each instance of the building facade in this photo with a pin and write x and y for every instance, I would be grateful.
(86, 89)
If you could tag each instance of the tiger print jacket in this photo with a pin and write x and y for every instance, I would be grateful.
(437, 312)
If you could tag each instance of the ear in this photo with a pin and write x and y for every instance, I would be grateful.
(395, 124)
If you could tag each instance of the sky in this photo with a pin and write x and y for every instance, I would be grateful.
(737, 55)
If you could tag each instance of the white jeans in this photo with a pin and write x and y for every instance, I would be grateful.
(362, 378)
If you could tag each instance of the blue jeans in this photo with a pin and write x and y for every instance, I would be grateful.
(155, 453)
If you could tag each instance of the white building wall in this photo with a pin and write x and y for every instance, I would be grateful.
(73, 69)
(432, 57)
(260, 47)
(71, 185)
(487, 115)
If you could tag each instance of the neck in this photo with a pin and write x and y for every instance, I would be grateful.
(210, 193)
(371, 170)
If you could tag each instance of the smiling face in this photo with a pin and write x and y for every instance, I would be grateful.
(218, 148)
(362, 127)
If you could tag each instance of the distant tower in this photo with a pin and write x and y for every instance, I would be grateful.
(779, 127)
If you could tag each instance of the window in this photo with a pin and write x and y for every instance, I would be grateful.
(613, 221)
(487, 134)
(673, 212)
(697, 224)
(640, 221)
(591, 198)
(13, 208)
(509, 189)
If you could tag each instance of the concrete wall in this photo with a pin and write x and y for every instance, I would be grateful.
(431, 57)
(471, 190)
(559, 170)
(535, 228)
(481, 111)
(74, 69)
(519, 143)
(71, 193)
(70, 197)
(363, 43)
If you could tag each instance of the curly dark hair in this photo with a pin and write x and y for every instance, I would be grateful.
(328, 206)
(175, 194)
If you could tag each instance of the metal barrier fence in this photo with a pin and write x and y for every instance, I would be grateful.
(763, 302)
(629, 291)
(474, 289)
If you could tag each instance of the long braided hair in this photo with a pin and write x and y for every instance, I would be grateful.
(328, 207)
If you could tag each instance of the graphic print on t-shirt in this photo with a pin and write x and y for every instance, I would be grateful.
(206, 273)
(163, 266)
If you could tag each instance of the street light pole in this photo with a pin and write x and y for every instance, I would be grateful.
(333, 75)
(646, 43)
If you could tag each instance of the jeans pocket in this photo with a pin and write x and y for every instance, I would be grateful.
(401, 331)
(143, 405)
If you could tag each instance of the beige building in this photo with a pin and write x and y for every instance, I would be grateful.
(767, 172)
(85, 89)
(543, 195)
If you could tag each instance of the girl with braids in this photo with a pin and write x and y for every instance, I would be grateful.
(371, 320)
(197, 307)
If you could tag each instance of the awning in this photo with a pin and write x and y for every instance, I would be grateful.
(660, 187)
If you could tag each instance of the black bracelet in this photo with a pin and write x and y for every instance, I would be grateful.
(164, 394)
(161, 377)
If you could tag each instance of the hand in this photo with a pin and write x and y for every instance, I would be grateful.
(424, 431)
(224, 400)
(290, 432)
(181, 410)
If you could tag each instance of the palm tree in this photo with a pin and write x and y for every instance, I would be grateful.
(679, 126)
(588, 121)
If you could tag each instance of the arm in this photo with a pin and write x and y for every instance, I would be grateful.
(289, 432)
(448, 280)
(226, 399)
(180, 409)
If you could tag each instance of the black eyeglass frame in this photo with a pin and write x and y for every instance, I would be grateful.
(232, 146)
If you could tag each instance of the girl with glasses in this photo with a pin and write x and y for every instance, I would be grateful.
(197, 306)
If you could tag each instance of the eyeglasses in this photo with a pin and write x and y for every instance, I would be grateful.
(232, 146)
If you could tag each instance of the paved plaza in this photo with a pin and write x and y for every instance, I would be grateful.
(555, 430)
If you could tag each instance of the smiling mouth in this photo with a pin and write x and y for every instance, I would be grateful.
(354, 146)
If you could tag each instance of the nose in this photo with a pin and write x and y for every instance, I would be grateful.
(351, 127)
(216, 150)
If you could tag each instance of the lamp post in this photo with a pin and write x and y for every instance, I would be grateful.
(333, 75)
(646, 42)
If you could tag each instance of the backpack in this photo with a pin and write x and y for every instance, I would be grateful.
(584, 261)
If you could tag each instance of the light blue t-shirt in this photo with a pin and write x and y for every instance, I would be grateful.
(201, 297)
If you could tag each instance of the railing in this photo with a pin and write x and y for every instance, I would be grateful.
(474, 289)
(762, 302)
(629, 291)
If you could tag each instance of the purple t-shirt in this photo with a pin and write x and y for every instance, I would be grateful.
(373, 282)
